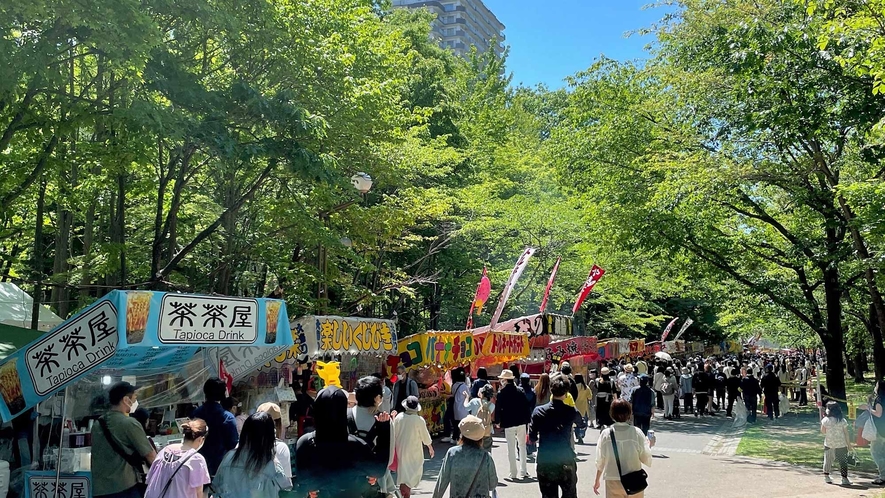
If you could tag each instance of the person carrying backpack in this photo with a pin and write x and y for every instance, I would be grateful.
(329, 460)
(483, 408)
(369, 424)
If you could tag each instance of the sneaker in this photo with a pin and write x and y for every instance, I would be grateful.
(447, 440)
(828, 480)
(525, 477)
(846, 482)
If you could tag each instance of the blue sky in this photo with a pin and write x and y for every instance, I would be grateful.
(552, 39)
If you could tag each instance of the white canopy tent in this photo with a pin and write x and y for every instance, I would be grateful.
(16, 306)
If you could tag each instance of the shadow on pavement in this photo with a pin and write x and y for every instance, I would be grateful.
(857, 480)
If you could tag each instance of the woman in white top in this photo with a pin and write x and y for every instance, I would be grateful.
(251, 470)
(633, 449)
(411, 437)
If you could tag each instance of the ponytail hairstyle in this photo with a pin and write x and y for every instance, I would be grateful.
(194, 429)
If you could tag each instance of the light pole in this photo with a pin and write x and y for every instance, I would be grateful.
(362, 182)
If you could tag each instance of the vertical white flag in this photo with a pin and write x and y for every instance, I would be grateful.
(685, 327)
(521, 264)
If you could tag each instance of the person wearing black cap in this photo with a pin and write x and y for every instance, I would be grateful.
(771, 386)
(119, 445)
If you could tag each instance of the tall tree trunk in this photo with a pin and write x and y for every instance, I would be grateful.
(111, 232)
(858, 366)
(37, 267)
(86, 272)
(876, 321)
(833, 336)
(121, 225)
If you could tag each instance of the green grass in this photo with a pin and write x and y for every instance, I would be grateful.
(794, 439)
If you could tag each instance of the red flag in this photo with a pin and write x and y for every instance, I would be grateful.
(549, 285)
(482, 292)
(668, 329)
(224, 375)
(596, 273)
(483, 289)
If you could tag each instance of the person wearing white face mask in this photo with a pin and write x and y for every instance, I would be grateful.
(120, 447)
(180, 471)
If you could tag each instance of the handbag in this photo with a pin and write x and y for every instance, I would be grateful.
(134, 460)
(634, 482)
(869, 430)
(180, 465)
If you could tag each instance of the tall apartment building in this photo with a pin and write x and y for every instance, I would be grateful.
(461, 24)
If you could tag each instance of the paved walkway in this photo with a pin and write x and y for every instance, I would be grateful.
(693, 458)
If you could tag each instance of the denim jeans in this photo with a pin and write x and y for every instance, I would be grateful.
(877, 449)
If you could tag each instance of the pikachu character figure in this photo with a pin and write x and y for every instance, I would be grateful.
(330, 372)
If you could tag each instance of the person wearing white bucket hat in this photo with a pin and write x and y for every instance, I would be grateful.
(628, 383)
(410, 436)
(605, 395)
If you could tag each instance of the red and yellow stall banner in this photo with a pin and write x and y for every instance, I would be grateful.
(505, 344)
(637, 348)
(447, 350)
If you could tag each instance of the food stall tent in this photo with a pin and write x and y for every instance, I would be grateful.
(16, 308)
(127, 334)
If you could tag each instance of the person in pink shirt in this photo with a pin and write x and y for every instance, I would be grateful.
(180, 471)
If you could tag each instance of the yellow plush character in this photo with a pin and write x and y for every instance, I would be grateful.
(330, 372)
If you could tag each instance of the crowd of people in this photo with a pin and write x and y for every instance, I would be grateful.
(372, 443)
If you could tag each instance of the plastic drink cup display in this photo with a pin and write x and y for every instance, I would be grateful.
(138, 307)
(273, 314)
(11, 387)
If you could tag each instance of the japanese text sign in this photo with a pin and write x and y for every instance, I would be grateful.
(207, 319)
(76, 347)
(506, 344)
(338, 334)
(41, 484)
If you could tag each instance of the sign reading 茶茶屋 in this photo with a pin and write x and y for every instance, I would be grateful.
(141, 332)
(207, 319)
(76, 347)
(42, 484)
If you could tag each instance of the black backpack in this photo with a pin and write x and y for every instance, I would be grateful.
(368, 438)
